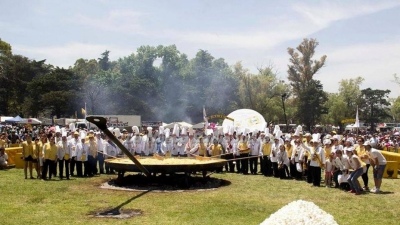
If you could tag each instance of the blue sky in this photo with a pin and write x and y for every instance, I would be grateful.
(360, 38)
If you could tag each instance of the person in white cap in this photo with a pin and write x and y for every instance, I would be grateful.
(92, 156)
(72, 149)
(358, 167)
(228, 149)
(63, 155)
(317, 159)
(265, 150)
(378, 162)
(149, 143)
(244, 151)
(137, 144)
(254, 152)
(110, 152)
(183, 141)
(274, 153)
(100, 149)
(190, 146)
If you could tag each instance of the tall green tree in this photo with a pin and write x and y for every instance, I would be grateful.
(302, 69)
(375, 106)
(57, 92)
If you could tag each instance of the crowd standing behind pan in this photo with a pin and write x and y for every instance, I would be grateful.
(81, 153)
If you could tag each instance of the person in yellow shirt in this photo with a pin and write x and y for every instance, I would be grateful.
(362, 153)
(50, 157)
(289, 150)
(216, 150)
(39, 149)
(266, 164)
(3, 140)
(202, 149)
(244, 151)
(28, 148)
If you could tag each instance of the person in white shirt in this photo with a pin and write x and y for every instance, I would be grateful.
(358, 169)
(378, 162)
(137, 144)
(72, 149)
(63, 155)
(190, 147)
(111, 151)
(82, 150)
(317, 160)
(295, 158)
(167, 147)
(226, 144)
(273, 156)
(254, 151)
(100, 150)
(341, 169)
(283, 162)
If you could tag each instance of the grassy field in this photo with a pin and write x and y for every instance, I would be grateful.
(247, 200)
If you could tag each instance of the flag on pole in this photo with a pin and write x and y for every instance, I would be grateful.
(205, 118)
(357, 123)
(83, 110)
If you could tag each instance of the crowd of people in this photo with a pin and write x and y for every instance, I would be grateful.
(81, 152)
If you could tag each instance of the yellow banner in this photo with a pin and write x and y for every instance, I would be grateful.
(219, 116)
(348, 121)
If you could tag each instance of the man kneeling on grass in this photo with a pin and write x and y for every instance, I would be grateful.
(378, 161)
(3, 159)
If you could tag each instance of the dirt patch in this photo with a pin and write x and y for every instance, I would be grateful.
(175, 183)
(117, 213)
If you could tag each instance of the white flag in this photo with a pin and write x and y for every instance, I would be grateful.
(357, 123)
(205, 118)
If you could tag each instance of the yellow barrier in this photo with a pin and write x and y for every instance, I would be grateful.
(12, 154)
(393, 162)
(391, 169)
(19, 162)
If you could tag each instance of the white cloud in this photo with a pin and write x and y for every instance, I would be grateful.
(124, 21)
(323, 13)
(302, 21)
(66, 55)
(375, 62)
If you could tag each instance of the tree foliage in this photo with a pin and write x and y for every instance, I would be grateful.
(375, 106)
(309, 95)
(161, 83)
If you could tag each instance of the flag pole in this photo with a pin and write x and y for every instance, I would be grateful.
(85, 111)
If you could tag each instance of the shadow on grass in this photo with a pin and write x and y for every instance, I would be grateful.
(384, 193)
(118, 212)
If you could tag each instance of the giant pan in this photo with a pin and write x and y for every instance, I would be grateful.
(167, 165)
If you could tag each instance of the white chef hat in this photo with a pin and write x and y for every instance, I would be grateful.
(135, 129)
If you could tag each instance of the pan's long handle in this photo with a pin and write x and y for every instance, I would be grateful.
(101, 123)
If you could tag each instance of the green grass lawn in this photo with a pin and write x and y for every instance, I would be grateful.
(247, 200)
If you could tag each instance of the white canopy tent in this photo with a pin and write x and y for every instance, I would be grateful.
(198, 125)
(30, 121)
(181, 124)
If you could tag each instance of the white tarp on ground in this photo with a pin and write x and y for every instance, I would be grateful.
(245, 119)
(300, 212)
